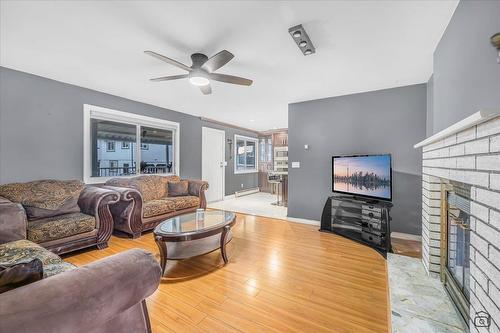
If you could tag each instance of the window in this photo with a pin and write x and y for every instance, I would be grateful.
(110, 146)
(156, 145)
(245, 153)
(148, 145)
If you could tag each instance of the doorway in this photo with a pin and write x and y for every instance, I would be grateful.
(213, 162)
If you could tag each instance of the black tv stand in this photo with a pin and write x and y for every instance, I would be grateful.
(363, 220)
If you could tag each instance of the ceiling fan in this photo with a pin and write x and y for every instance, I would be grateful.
(202, 70)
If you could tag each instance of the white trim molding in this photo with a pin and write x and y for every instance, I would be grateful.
(97, 112)
(474, 119)
(246, 138)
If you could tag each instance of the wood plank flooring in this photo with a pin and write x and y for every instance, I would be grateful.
(281, 277)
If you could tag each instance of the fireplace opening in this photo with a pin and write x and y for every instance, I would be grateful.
(455, 244)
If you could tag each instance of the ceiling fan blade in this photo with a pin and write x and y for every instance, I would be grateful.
(169, 78)
(230, 79)
(169, 61)
(217, 61)
(206, 89)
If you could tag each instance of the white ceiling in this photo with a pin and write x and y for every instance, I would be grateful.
(360, 46)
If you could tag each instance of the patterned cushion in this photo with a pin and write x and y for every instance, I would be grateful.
(58, 227)
(184, 202)
(45, 198)
(157, 207)
(151, 187)
(24, 251)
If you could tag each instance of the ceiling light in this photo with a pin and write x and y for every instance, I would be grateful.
(199, 80)
(302, 40)
(252, 120)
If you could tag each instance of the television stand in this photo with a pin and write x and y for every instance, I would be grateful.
(366, 221)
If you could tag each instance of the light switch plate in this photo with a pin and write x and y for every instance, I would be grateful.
(295, 165)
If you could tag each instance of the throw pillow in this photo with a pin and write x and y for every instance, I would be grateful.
(45, 198)
(177, 189)
(17, 275)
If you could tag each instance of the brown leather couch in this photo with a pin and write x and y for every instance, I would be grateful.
(145, 201)
(84, 299)
(61, 216)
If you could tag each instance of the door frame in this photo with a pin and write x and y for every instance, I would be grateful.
(203, 129)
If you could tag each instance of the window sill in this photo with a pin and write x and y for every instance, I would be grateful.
(102, 180)
(245, 172)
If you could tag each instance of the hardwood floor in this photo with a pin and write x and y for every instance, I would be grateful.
(281, 277)
(409, 248)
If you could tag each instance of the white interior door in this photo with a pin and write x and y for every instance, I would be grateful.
(213, 162)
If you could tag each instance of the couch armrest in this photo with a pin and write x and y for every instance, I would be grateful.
(13, 221)
(95, 201)
(84, 299)
(198, 188)
(127, 213)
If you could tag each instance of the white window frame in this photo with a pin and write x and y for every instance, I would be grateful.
(97, 112)
(246, 139)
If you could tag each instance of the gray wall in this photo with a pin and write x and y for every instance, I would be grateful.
(466, 74)
(41, 129)
(235, 182)
(429, 128)
(384, 121)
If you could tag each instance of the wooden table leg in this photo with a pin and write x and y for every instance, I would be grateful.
(163, 253)
(223, 237)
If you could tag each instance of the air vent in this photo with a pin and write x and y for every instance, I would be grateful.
(300, 37)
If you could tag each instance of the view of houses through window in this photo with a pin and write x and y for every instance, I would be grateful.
(246, 154)
(115, 153)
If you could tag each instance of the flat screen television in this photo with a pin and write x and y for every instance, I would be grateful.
(367, 176)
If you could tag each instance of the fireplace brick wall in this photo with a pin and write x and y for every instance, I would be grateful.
(472, 157)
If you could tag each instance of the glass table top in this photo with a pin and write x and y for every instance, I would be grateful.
(194, 222)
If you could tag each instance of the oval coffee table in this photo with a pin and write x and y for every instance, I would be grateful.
(184, 236)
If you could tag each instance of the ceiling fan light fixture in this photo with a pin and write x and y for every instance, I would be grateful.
(199, 80)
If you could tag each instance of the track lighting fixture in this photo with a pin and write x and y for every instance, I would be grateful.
(302, 40)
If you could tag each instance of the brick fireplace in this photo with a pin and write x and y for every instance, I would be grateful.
(466, 153)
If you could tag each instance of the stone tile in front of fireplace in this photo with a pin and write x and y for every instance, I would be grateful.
(419, 303)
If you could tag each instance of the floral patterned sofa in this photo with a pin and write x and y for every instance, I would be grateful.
(61, 216)
(145, 201)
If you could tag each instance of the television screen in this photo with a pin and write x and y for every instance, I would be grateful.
(363, 175)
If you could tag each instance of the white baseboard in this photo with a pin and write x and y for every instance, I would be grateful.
(231, 196)
(246, 192)
(303, 221)
(401, 235)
